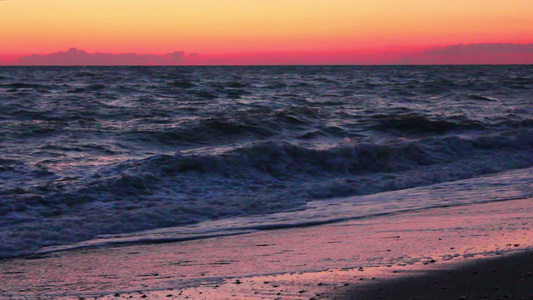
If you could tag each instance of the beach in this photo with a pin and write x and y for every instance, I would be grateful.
(343, 260)
(266, 150)
(261, 182)
(508, 276)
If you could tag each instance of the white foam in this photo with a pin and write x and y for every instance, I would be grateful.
(516, 184)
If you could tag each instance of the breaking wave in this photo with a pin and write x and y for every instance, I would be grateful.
(86, 152)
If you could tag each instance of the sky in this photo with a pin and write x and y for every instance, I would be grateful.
(262, 31)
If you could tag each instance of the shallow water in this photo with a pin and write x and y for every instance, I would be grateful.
(96, 153)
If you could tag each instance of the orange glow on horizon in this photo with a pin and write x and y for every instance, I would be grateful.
(243, 26)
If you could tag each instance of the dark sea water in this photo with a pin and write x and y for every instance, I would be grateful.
(95, 156)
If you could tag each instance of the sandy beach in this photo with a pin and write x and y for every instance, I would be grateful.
(344, 260)
(508, 276)
(266, 150)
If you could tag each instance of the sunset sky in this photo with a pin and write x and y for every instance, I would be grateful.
(236, 29)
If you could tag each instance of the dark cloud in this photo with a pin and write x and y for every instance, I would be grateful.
(481, 49)
(75, 57)
(487, 53)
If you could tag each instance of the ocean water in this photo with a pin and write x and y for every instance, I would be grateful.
(92, 156)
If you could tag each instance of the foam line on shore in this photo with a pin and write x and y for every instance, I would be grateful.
(292, 261)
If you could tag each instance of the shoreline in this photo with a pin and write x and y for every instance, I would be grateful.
(52, 250)
(296, 263)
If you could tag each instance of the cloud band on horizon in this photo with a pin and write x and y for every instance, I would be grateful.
(74, 57)
(485, 53)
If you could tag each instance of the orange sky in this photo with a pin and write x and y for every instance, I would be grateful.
(228, 27)
(237, 26)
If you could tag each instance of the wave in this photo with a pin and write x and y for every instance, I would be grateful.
(205, 132)
(259, 124)
(503, 186)
(518, 83)
(264, 177)
(21, 85)
(88, 89)
(273, 161)
(482, 98)
(421, 124)
(89, 151)
(286, 160)
(185, 84)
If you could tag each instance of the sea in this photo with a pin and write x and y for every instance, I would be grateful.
(100, 156)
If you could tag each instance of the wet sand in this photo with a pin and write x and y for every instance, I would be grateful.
(322, 262)
(504, 277)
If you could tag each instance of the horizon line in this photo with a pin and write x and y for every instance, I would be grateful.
(273, 65)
